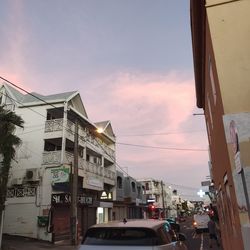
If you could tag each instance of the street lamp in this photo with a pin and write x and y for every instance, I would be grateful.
(100, 130)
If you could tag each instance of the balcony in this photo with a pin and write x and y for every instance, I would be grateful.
(52, 158)
(54, 128)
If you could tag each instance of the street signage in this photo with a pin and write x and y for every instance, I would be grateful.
(64, 199)
(201, 193)
(205, 183)
(60, 175)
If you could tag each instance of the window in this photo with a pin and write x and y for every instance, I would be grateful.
(121, 237)
(119, 182)
(138, 189)
(87, 157)
(211, 76)
(147, 186)
(210, 111)
(133, 186)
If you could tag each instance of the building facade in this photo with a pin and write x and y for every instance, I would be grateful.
(158, 197)
(220, 38)
(130, 200)
(40, 179)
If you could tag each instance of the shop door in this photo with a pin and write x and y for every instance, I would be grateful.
(61, 224)
(88, 218)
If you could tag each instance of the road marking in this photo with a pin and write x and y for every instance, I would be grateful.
(201, 248)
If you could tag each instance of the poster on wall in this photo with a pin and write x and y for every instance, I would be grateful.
(237, 132)
(60, 174)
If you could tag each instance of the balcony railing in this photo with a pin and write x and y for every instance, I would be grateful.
(84, 136)
(54, 158)
(53, 125)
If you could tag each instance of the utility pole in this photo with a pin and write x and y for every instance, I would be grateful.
(74, 189)
(163, 201)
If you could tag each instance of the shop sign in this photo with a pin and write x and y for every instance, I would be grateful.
(64, 199)
(106, 195)
(92, 181)
(60, 175)
(205, 183)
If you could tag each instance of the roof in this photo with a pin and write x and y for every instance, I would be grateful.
(15, 93)
(56, 97)
(106, 127)
(198, 18)
(30, 99)
(143, 223)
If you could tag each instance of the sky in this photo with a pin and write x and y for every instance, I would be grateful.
(131, 61)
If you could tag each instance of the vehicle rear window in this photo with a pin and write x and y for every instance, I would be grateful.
(121, 237)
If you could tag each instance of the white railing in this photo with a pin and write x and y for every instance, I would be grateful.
(53, 125)
(51, 157)
(54, 157)
(57, 125)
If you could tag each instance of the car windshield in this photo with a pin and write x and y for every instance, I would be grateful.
(121, 236)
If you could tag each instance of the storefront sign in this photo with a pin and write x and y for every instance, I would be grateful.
(66, 199)
(60, 175)
(205, 183)
(92, 181)
(106, 195)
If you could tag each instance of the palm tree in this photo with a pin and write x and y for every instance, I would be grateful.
(8, 143)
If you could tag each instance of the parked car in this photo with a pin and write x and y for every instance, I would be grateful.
(200, 222)
(132, 234)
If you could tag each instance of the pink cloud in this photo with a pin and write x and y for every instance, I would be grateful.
(141, 104)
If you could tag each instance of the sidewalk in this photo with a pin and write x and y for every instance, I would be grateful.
(10, 242)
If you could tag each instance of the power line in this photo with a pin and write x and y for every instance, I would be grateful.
(73, 132)
(165, 148)
(115, 162)
(126, 144)
(164, 133)
(27, 92)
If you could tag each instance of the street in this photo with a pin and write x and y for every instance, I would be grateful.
(196, 241)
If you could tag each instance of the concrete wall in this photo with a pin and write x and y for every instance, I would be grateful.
(230, 32)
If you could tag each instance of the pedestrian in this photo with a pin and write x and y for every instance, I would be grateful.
(212, 232)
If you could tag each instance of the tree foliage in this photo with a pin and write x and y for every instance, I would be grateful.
(8, 143)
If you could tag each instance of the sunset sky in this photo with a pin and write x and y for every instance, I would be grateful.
(131, 61)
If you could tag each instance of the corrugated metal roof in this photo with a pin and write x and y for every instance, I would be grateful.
(61, 96)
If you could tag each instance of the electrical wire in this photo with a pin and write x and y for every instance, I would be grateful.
(164, 133)
(165, 148)
(115, 162)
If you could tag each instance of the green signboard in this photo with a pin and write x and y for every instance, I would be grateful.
(60, 175)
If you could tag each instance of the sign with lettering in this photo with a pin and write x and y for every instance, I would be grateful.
(64, 199)
(205, 183)
(60, 174)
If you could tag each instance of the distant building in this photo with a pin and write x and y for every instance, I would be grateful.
(38, 197)
(158, 197)
(220, 38)
(130, 200)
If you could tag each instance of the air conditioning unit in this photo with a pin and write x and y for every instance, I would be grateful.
(32, 174)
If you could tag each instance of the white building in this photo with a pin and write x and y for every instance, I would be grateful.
(38, 203)
(159, 195)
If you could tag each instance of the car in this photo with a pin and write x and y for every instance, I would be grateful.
(200, 222)
(132, 234)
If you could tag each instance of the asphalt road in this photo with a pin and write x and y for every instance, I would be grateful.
(196, 241)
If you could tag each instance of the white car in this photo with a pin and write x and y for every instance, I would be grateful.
(132, 234)
(200, 222)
